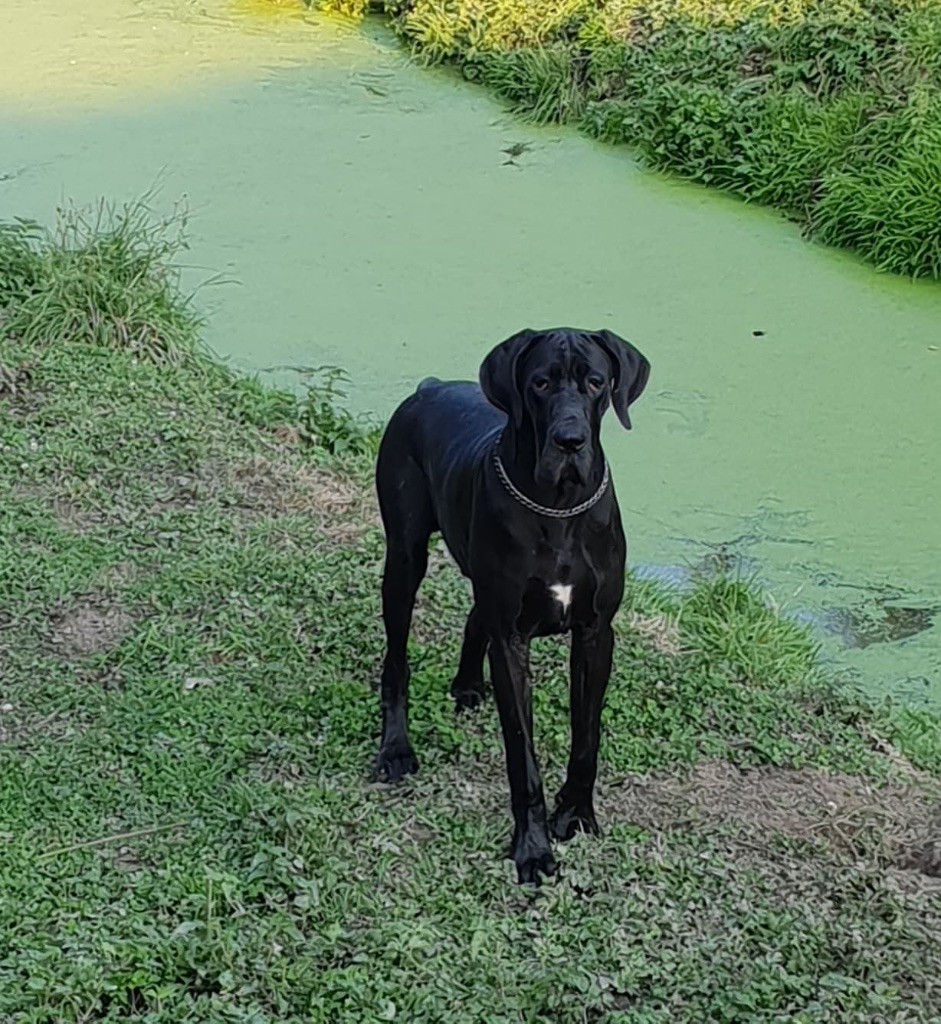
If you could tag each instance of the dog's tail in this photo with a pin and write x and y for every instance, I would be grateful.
(427, 382)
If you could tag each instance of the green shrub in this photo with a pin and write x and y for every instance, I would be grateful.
(792, 143)
(326, 421)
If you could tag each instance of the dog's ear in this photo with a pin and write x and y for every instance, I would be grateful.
(631, 371)
(498, 379)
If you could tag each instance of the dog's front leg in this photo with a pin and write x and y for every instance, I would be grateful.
(509, 668)
(590, 662)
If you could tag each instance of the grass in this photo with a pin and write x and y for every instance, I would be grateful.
(103, 276)
(827, 111)
(189, 639)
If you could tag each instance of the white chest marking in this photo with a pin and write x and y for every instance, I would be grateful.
(562, 593)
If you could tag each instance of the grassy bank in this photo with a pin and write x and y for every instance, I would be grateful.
(189, 637)
(828, 111)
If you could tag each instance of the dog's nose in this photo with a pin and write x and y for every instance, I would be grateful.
(569, 440)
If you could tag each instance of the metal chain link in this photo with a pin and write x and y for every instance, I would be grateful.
(555, 513)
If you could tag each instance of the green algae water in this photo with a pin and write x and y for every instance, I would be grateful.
(392, 220)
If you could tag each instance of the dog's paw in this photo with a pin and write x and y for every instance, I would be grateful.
(394, 763)
(533, 858)
(567, 820)
(530, 871)
(468, 696)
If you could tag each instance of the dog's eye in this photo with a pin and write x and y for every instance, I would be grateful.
(595, 384)
(540, 385)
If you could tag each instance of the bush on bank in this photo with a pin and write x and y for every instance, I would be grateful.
(828, 111)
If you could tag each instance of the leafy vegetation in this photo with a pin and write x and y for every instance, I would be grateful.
(829, 111)
(189, 637)
(325, 419)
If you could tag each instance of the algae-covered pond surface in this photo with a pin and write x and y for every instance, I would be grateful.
(367, 214)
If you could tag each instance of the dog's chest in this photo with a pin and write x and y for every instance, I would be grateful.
(548, 607)
(554, 592)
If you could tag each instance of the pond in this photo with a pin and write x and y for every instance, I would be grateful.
(393, 220)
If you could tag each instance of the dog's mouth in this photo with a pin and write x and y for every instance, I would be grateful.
(557, 469)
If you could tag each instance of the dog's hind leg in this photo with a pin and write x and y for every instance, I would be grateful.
(408, 520)
(468, 686)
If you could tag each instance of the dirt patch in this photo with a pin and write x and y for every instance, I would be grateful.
(274, 770)
(74, 519)
(14, 378)
(279, 486)
(67, 512)
(25, 727)
(660, 631)
(90, 628)
(125, 858)
(893, 823)
(253, 489)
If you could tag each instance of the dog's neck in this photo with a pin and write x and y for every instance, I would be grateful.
(519, 450)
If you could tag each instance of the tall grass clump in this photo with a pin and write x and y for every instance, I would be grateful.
(104, 275)
(543, 85)
(887, 202)
(828, 111)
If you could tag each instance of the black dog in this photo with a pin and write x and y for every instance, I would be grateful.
(516, 481)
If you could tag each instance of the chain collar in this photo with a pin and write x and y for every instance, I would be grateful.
(543, 510)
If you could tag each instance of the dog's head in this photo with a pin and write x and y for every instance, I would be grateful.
(557, 384)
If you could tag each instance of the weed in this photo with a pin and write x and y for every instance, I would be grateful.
(327, 422)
